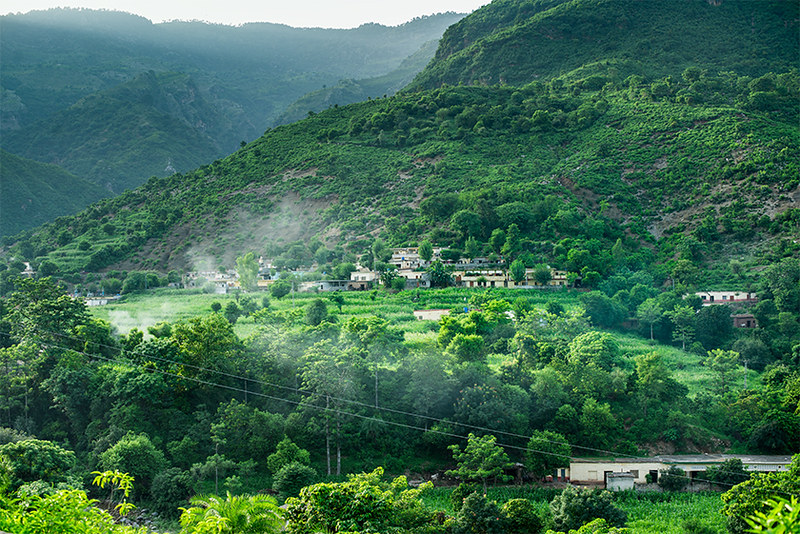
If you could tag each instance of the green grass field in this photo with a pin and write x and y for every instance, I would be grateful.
(141, 310)
(659, 514)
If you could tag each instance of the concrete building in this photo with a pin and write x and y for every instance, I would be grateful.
(596, 471)
(726, 297)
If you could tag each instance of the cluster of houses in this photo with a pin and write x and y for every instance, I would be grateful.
(466, 272)
(473, 272)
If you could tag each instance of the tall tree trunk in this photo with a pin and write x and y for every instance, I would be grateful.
(338, 447)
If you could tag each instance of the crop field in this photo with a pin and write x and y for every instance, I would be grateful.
(648, 513)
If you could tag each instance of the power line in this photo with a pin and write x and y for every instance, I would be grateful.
(120, 351)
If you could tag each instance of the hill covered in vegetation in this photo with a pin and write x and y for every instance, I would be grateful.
(116, 99)
(516, 42)
(32, 193)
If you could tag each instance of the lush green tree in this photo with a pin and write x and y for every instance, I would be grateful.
(292, 477)
(728, 473)
(247, 269)
(542, 274)
(479, 515)
(745, 499)
(467, 223)
(467, 347)
(472, 248)
(285, 453)
(546, 451)
(517, 271)
(598, 347)
(575, 507)
(713, 326)
(232, 312)
(649, 312)
(363, 503)
(171, 490)
(722, 363)
(337, 298)
(235, 514)
(280, 288)
(597, 424)
(601, 310)
(513, 244)
(497, 240)
(426, 250)
(673, 478)
(521, 517)
(40, 311)
(137, 456)
(33, 459)
(682, 318)
(330, 375)
(481, 459)
(439, 275)
(461, 492)
(316, 312)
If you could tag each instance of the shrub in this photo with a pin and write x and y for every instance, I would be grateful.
(171, 489)
(478, 515)
(521, 517)
(136, 455)
(293, 477)
(464, 490)
(574, 508)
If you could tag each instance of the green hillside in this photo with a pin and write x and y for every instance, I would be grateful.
(515, 42)
(672, 180)
(32, 193)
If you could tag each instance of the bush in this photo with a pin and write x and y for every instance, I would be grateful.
(673, 479)
(521, 517)
(293, 477)
(136, 455)
(33, 459)
(171, 489)
(464, 490)
(574, 508)
(479, 515)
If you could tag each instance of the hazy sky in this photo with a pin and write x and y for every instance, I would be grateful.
(299, 13)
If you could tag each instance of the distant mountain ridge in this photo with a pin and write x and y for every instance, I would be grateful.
(116, 99)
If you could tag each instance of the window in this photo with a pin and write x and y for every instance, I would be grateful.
(635, 473)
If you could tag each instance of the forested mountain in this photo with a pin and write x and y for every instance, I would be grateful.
(116, 99)
(515, 42)
(32, 193)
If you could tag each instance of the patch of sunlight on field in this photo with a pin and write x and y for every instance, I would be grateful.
(141, 310)
(421, 342)
(686, 367)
